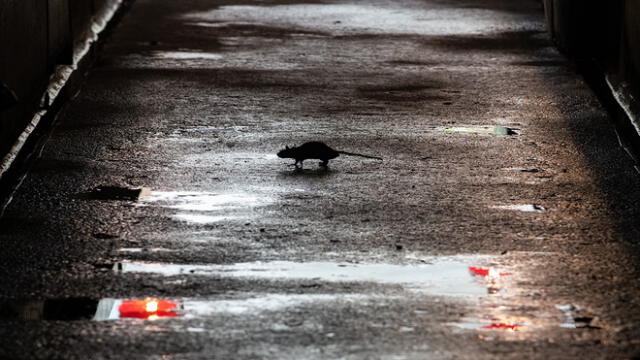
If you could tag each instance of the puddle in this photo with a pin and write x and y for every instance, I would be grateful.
(153, 309)
(201, 219)
(469, 129)
(506, 309)
(220, 24)
(522, 170)
(200, 201)
(204, 207)
(77, 309)
(487, 130)
(524, 208)
(491, 324)
(140, 250)
(495, 302)
(510, 319)
(268, 302)
(439, 276)
(146, 309)
(186, 55)
(73, 309)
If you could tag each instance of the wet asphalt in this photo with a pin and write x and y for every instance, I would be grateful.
(158, 222)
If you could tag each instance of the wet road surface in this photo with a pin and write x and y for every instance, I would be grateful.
(159, 224)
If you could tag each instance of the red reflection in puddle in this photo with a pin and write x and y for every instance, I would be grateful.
(486, 272)
(502, 326)
(147, 309)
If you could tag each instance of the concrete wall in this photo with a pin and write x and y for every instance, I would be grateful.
(607, 32)
(24, 62)
(35, 36)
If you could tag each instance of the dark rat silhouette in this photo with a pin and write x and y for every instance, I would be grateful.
(315, 150)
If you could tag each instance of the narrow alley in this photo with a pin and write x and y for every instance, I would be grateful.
(158, 222)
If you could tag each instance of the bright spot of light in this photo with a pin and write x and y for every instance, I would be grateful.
(152, 306)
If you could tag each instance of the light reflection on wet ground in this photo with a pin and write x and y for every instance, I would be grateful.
(140, 250)
(205, 207)
(186, 55)
(489, 290)
(145, 309)
(362, 18)
(199, 201)
(186, 309)
(532, 208)
(480, 130)
(443, 277)
(485, 285)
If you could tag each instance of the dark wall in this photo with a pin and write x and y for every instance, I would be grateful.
(35, 37)
(82, 11)
(605, 32)
(23, 62)
(60, 40)
(584, 28)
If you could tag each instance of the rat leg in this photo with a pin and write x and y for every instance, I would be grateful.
(298, 167)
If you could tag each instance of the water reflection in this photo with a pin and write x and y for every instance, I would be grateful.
(71, 309)
(534, 208)
(496, 303)
(488, 272)
(147, 309)
(204, 207)
(493, 299)
(200, 201)
(185, 309)
(200, 218)
(502, 326)
(444, 276)
(141, 250)
(506, 308)
(186, 55)
(500, 311)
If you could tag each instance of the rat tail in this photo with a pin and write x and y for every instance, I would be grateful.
(360, 155)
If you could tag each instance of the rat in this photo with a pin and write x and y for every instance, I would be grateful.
(315, 150)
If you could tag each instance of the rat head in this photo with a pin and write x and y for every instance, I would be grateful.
(287, 152)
